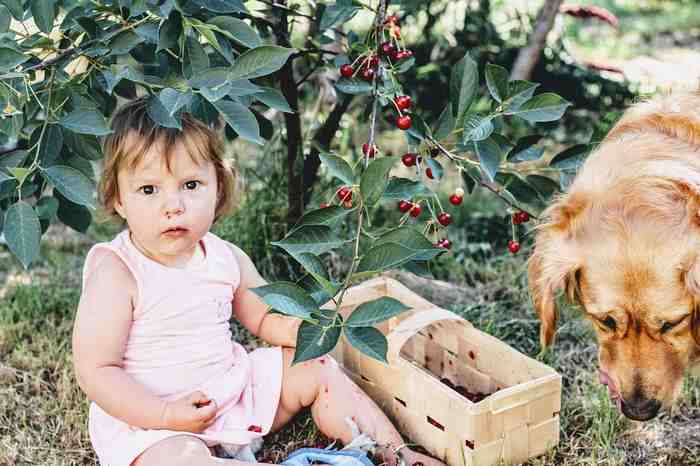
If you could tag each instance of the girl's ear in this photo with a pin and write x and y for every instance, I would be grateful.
(119, 208)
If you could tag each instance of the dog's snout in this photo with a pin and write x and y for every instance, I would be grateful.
(640, 408)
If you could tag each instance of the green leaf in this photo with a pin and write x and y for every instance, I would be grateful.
(336, 13)
(375, 179)
(544, 185)
(522, 191)
(313, 265)
(44, 13)
(464, 82)
(338, 167)
(211, 78)
(570, 158)
(169, 32)
(10, 58)
(353, 86)
(497, 81)
(243, 87)
(403, 188)
(5, 19)
(160, 115)
(124, 42)
(75, 186)
(173, 100)
(240, 119)
(75, 216)
(419, 129)
(489, 153)
(385, 256)
(273, 99)
(315, 239)
(446, 124)
(520, 92)
(46, 207)
(85, 121)
(19, 173)
(222, 6)
(541, 108)
(525, 150)
(86, 146)
(287, 298)
(260, 61)
(373, 312)
(15, 7)
(238, 30)
(13, 159)
(369, 341)
(325, 216)
(195, 59)
(477, 127)
(411, 239)
(51, 143)
(22, 232)
(314, 341)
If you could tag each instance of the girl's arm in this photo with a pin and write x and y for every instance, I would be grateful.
(100, 334)
(252, 312)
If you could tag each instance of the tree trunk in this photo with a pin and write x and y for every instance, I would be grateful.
(530, 55)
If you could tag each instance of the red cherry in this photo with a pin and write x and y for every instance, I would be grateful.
(416, 210)
(387, 48)
(344, 194)
(403, 122)
(373, 61)
(515, 218)
(323, 205)
(346, 71)
(369, 152)
(404, 206)
(254, 428)
(524, 217)
(444, 243)
(391, 19)
(409, 159)
(403, 102)
(429, 173)
(444, 218)
(513, 246)
(367, 74)
(455, 199)
(402, 54)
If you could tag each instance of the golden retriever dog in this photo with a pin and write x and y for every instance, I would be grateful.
(624, 244)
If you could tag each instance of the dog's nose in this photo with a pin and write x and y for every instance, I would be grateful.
(640, 408)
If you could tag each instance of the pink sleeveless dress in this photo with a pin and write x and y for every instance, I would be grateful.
(179, 342)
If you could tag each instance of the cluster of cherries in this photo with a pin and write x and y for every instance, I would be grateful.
(443, 218)
(392, 51)
(517, 219)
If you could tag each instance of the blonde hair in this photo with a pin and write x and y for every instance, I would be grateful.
(122, 151)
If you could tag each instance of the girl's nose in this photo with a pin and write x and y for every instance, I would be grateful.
(174, 205)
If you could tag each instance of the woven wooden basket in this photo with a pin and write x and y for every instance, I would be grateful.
(429, 346)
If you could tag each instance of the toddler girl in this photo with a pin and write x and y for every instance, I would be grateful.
(152, 346)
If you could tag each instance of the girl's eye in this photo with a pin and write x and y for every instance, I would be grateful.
(192, 184)
(609, 322)
(148, 189)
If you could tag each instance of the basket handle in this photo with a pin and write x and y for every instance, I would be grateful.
(409, 327)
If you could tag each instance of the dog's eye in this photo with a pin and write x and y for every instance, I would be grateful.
(669, 325)
(609, 322)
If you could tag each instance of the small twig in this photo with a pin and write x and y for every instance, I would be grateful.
(318, 64)
(481, 182)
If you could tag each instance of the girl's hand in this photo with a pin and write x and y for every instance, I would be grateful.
(192, 413)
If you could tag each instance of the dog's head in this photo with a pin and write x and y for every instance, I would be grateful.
(624, 244)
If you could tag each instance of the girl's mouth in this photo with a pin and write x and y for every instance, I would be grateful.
(176, 231)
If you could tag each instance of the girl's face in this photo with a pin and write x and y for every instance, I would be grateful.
(168, 212)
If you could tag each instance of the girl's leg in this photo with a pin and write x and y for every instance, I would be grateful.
(183, 450)
(332, 396)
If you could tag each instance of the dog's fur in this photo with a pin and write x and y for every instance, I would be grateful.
(624, 243)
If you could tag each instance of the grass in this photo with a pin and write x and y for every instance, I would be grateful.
(43, 414)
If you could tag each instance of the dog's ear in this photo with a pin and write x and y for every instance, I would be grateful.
(691, 276)
(553, 267)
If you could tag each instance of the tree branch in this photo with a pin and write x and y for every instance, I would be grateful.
(530, 55)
